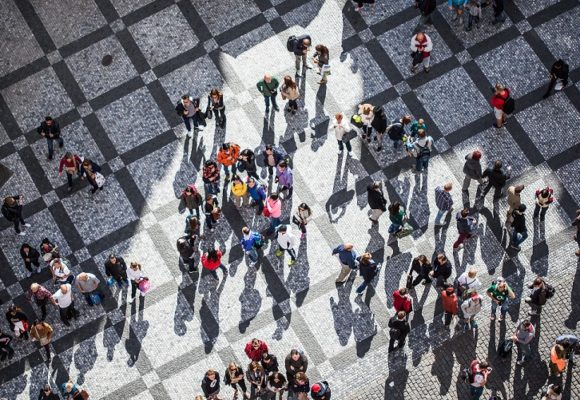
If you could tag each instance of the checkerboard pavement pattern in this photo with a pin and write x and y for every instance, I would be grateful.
(122, 116)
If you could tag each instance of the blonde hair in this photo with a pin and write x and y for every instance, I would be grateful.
(136, 264)
(472, 272)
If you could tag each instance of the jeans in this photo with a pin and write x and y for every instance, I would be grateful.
(448, 317)
(422, 163)
(274, 222)
(290, 251)
(394, 228)
(42, 304)
(367, 132)
(471, 20)
(396, 143)
(298, 59)
(475, 392)
(503, 307)
(439, 216)
(50, 143)
(462, 237)
(187, 121)
(346, 143)
(17, 223)
(467, 182)
(293, 105)
(252, 254)
(28, 264)
(69, 178)
(267, 100)
(541, 211)
(220, 115)
(88, 296)
(227, 169)
(519, 237)
(524, 349)
(400, 341)
(211, 187)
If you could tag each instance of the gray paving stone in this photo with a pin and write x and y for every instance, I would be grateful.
(125, 7)
(219, 17)
(557, 35)
(533, 6)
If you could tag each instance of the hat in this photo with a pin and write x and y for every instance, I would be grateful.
(450, 289)
(476, 155)
(316, 388)
(474, 295)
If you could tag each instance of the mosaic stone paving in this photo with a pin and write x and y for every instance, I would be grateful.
(122, 116)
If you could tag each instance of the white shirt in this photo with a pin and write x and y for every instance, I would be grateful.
(471, 283)
(134, 275)
(287, 240)
(340, 128)
(63, 299)
(61, 272)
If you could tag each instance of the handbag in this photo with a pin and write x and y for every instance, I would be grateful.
(417, 57)
(144, 285)
(99, 179)
(266, 212)
(95, 298)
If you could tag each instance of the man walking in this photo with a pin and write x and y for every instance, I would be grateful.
(539, 295)
(472, 169)
(88, 285)
(377, 201)
(41, 296)
(269, 89)
(426, 7)
(443, 201)
(12, 211)
(227, 156)
(399, 329)
(50, 130)
(300, 46)
(65, 301)
(520, 231)
(188, 109)
(514, 201)
(466, 226)
(558, 77)
(286, 242)
(347, 257)
(497, 179)
(523, 336)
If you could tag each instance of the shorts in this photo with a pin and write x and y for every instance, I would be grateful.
(498, 113)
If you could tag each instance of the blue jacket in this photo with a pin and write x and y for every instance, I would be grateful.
(249, 243)
(457, 3)
(346, 257)
(257, 192)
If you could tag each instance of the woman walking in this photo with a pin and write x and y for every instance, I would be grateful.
(240, 193)
(42, 332)
(92, 171)
(30, 257)
(191, 199)
(366, 112)
(397, 217)
(71, 163)
(215, 103)
(289, 91)
(301, 218)
(321, 57)
(136, 276)
(212, 260)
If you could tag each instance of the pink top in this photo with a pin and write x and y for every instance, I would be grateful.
(274, 207)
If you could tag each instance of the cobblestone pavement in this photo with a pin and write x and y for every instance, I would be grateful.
(122, 116)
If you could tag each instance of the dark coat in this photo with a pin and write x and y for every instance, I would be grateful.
(278, 156)
(180, 108)
(519, 222)
(301, 365)
(299, 44)
(249, 165)
(33, 254)
(379, 122)
(12, 213)
(50, 132)
(210, 387)
(185, 247)
(402, 326)
(443, 270)
(228, 379)
(427, 6)
(12, 319)
(376, 198)
(367, 270)
(497, 177)
(272, 366)
(117, 270)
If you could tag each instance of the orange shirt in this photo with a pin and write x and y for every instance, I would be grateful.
(558, 362)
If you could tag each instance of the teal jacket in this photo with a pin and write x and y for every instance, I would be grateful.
(268, 89)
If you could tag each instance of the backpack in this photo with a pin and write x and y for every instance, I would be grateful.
(550, 291)
(505, 348)
(291, 43)
(509, 105)
(423, 151)
(396, 131)
(468, 374)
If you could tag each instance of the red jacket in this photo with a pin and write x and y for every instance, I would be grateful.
(401, 303)
(74, 163)
(211, 265)
(498, 101)
(449, 299)
(256, 354)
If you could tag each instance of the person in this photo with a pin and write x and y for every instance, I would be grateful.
(48, 250)
(456, 7)
(18, 322)
(12, 211)
(539, 292)
(499, 15)
(136, 276)
(211, 211)
(320, 58)
(544, 197)
(289, 91)
(228, 156)
(41, 296)
(211, 177)
(46, 393)
(301, 386)
(402, 301)
(380, 125)
(295, 362)
(480, 371)
(442, 269)
(42, 333)
(234, 377)
(443, 201)
(576, 223)
(72, 164)
(470, 308)
(347, 257)
(255, 349)
(415, 126)
(88, 285)
(500, 294)
(558, 77)
(366, 112)
(69, 391)
(399, 329)
(514, 200)
(497, 179)
(554, 392)
(302, 217)
(65, 301)
(188, 108)
(92, 171)
(421, 150)
(247, 162)
(240, 196)
(276, 385)
(570, 343)
(341, 127)
(272, 158)
(215, 103)
(320, 391)
(558, 360)
(286, 242)
(466, 227)
(422, 267)
(269, 89)
(397, 217)
(116, 269)
(468, 283)
(186, 248)
(250, 241)
(300, 47)
(50, 130)
(472, 169)
(522, 337)
(450, 305)
(257, 193)
(474, 15)
(520, 231)
(421, 46)
(377, 201)
(212, 260)
(191, 199)
(360, 4)
(500, 103)
(396, 130)
(426, 7)
(30, 257)
(61, 274)
(6, 349)
(270, 364)
(257, 378)
(210, 384)
(274, 207)
(284, 178)
(368, 269)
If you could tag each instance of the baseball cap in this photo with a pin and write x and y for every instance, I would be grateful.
(316, 388)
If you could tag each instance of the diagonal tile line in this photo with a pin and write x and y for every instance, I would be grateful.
(35, 24)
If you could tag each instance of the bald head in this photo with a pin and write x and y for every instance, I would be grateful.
(34, 287)
(448, 186)
(83, 276)
(348, 246)
(64, 289)
(267, 78)
(519, 188)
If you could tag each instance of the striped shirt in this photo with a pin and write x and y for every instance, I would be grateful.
(443, 199)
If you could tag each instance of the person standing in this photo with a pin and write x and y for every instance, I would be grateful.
(302, 217)
(539, 295)
(470, 308)
(286, 242)
(341, 127)
(558, 361)
(502, 103)
(88, 285)
(92, 171)
(472, 170)
(402, 301)
(30, 256)
(466, 227)
(300, 47)
(366, 112)
(188, 108)
(442, 270)
(240, 196)
(468, 283)
(422, 267)
(61, 273)
(421, 46)
(320, 391)
(497, 179)
(456, 7)
(269, 89)
(270, 364)
(321, 57)
(257, 193)
(397, 217)
(289, 91)
(247, 162)
(72, 165)
(347, 257)
(50, 130)
(211, 177)
(500, 294)
(250, 241)
(276, 385)
(42, 332)
(415, 126)
(514, 201)
(228, 156)
(380, 125)
(295, 363)
(234, 377)
(399, 329)
(284, 178)
(255, 349)
(576, 223)
(116, 269)
(422, 150)
(558, 77)
(46, 393)
(41, 296)
(520, 231)
(257, 378)
(272, 158)
(450, 305)
(212, 260)
(301, 386)
(211, 210)
(191, 199)
(397, 131)
(18, 322)
(377, 201)
(136, 276)
(498, 12)
(185, 247)
(274, 212)
(522, 337)
(210, 385)
(368, 269)
(12, 211)
(66, 305)
(473, 9)
(443, 201)
(544, 197)
(480, 371)
(215, 103)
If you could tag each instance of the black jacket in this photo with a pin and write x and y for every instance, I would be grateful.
(272, 366)
(301, 365)
(49, 396)
(185, 247)
(323, 394)
(561, 73)
(420, 269)
(379, 122)
(180, 108)
(50, 132)
(5, 340)
(401, 326)
(367, 270)
(228, 379)
(299, 44)
(250, 164)
(33, 254)
(376, 198)
(396, 131)
(117, 270)
(497, 177)
(278, 156)
(12, 213)
(210, 387)
(12, 319)
(216, 106)
(519, 222)
(427, 6)
(443, 270)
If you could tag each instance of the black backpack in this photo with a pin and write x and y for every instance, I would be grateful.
(550, 291)
(291, 43)
(505, 348)
(509, 105)
(396, 131)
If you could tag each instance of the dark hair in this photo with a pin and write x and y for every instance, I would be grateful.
(304, 206)
(212, 255)
(246, 230)
(215, 92)
(47, 118)
(293, 352)
(209, 163)
(321, 49)
(498, 164)
(185, 97)
(464, 212)
(394, 208)
(112, 255)
(283, 164)
(193, 223)
(268, 147)
(289, 82)
(68, 155)
(274, 196)
(556, 388)
(225, 146)
(545, 192)
(522, 208)
(483, 364)
(282, 228)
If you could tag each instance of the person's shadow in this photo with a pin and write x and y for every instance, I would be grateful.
(364, 327)
(398, 375)
(340, 198)
(572, 320)
(137, 331)
(250, 300)
(184, 304)
(209, 310)
(319, 123)
(394, 268)
(540, 260)
(84, 358)
(298, 280)
(342, 313)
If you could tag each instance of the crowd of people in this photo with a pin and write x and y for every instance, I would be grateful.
(462, 299)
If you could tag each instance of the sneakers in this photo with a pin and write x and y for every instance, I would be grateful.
(291, 262)
(131, 299)
(278, 253)
(21, 233)
(456, 249)
(189, 134)
(27, 225)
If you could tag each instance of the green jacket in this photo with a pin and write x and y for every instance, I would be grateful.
(268, 89)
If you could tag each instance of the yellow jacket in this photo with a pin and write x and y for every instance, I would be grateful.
(239, 189)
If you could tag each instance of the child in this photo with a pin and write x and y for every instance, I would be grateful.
(473, 14)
